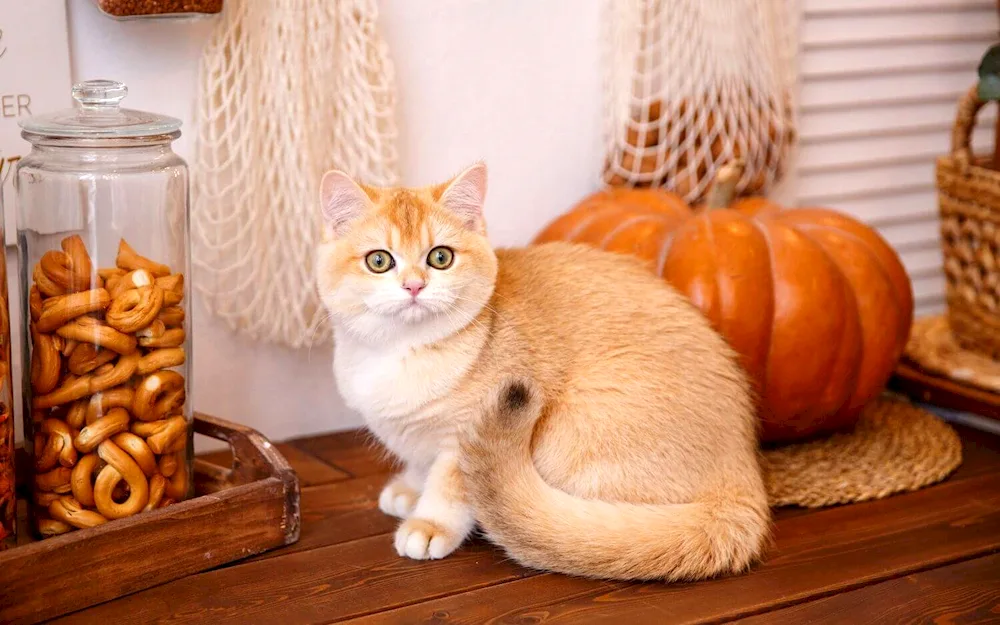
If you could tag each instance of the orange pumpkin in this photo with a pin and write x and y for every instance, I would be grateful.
(817, 304)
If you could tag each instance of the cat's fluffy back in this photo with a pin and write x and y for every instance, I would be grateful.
(579, 293)
(585, 317)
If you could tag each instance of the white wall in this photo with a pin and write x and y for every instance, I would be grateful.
(518, 86)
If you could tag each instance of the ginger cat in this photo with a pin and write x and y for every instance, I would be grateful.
(566, 399)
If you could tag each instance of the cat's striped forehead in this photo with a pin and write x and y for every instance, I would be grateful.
(409, 218)
(408, 215)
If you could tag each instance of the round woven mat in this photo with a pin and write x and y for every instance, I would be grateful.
(895, 447)
(933, 347)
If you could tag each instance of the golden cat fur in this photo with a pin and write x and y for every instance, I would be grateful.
(570, 402)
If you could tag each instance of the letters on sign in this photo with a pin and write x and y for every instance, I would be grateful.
(34, 79)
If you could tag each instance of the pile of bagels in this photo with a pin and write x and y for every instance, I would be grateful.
(110, 429)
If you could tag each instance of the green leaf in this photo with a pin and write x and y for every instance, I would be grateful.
(989, 88)
(990, 65)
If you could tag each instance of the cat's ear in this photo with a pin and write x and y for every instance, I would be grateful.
(465, 196)
(342, 201)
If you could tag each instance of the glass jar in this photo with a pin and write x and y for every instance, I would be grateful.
(8, 503)
(103, 251)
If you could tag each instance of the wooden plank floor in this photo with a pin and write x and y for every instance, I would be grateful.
(923, 556)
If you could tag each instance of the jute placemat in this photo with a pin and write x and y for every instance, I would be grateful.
(895, 447)
(934, 349)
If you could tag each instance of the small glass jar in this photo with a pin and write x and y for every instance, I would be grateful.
(103, 251)
(8, 503)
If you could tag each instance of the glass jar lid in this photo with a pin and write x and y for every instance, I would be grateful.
(98, 115)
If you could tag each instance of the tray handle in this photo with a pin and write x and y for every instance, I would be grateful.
(254, 456)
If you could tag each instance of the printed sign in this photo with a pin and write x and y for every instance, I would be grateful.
(34, 79)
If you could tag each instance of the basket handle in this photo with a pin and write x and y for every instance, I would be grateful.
(965, 121)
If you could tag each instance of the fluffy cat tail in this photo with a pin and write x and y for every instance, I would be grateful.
(546, 528)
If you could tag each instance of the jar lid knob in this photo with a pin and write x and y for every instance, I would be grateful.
(98, 114)
(99, 94)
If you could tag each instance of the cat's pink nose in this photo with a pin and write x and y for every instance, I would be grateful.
(414, 287)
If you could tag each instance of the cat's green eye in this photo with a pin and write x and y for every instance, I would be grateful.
(441, 257)
(379, 261)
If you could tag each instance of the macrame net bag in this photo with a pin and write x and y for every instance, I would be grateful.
(288, 90)
(693, 84)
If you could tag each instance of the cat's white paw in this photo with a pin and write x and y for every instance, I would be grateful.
(425, 540)
(397, 499)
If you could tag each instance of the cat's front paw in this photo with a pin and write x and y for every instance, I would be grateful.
(421, 539)
(397, 499)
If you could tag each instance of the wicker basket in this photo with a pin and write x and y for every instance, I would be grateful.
(969, 203)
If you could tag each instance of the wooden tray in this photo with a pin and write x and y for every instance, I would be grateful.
(238, 512)
(930, 388)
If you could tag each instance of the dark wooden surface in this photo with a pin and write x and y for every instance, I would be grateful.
(965, 592)
(927, 556)
(254, 506)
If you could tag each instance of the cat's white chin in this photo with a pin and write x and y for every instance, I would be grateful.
(403, 323)
(413, 312)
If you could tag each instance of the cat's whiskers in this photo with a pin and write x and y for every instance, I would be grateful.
(447, 311)
(365, 332)
(459, 286)
(314, 328)
(490, 333)
(485, 305)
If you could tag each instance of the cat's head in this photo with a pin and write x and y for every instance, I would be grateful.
(405, 262)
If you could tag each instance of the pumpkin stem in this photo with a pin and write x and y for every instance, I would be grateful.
(724, 186)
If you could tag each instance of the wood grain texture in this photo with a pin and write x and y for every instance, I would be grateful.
(63, 573)
(338, 513)
(966, 593)
(344, 566)
(354, 451)
(321, 585)
(828, 551)
(311, 470)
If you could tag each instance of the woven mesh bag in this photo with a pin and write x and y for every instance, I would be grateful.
(693, 84)
(288, 89)
(969, 205)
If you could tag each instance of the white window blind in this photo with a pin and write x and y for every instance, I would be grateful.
(879, 85)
